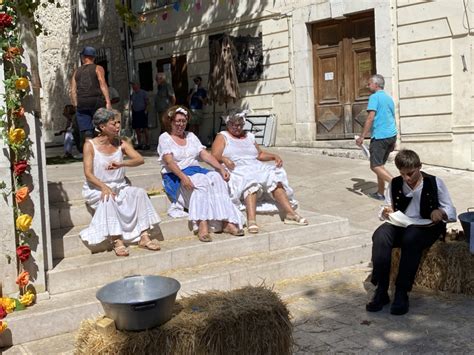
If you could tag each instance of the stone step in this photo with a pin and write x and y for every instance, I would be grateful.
(76, 213)
(66, 242)
(71, 189)
(63, 313)
(96, 269)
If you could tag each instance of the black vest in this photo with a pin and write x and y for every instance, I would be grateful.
(429, 195)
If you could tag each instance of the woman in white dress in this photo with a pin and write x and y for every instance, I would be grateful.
(202, 192)
(254, 184)
(122, 212)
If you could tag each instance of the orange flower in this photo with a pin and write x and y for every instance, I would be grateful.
(23, 279)
(22, 194)
(3, 326)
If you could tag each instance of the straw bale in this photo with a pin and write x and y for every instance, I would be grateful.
(446, 266)
(250, 320)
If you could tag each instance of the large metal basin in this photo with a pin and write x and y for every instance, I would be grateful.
(139, 302)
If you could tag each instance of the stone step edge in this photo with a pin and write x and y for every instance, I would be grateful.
(218, 239)
(170, 229)
(95, 308)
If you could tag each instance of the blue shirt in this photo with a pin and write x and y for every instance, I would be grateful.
(139, 100)
(196, 103)
(384, 122)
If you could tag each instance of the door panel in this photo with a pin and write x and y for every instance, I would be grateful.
(344, 59)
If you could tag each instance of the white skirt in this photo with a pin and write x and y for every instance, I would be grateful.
(129, 214)
(208, 201)
(260, 178)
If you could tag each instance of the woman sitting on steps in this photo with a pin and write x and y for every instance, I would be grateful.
(122, 212)
(254, 184)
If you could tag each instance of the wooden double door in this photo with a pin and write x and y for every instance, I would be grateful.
(344, 60)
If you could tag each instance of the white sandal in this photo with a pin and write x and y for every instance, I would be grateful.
(295, 219)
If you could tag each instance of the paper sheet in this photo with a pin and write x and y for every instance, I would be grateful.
(364, 148)
(402, 220)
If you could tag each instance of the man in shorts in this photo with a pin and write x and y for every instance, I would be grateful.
(381, 123)
(140, 116)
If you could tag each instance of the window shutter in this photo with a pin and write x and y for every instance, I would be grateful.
(74, 17)
(92, 15)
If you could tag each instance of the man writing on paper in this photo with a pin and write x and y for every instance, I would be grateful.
(381, 122)
(417, 195)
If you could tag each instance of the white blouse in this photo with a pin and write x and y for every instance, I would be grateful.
(184, 156)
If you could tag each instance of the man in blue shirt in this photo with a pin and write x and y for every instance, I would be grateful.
(381, 123)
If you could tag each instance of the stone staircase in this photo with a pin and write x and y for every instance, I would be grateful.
(278, 252)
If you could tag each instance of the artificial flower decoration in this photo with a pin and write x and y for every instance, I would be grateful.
(22, 83)
(8, 304)
(23, 251)
(5, 20)
(19, 112)
(19, 167)
(3, 312)
(23, 223)
(23, 279)
(11, 53)
(27, 299)
(3, 326)
(22, 194)
(16, 135)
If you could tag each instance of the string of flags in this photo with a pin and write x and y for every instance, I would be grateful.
(182, 5)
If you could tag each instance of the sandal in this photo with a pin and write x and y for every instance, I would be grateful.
(150, 244)
(121, 250)
(295, 219)
(253, 227)
(234, 231)
(205, 238)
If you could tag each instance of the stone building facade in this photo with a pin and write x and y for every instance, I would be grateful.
(317, 56)
(69, 28)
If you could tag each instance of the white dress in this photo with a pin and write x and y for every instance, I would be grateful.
(253, 176)
(209, 200)
(130, 213)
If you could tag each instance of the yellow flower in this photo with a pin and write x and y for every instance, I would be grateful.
(8, 304)
(16, 135)
(23, 222)
(3, 326)
(27, 299)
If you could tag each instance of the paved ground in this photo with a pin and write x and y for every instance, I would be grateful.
(328, 309)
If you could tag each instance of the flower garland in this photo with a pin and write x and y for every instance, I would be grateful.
(12, 125)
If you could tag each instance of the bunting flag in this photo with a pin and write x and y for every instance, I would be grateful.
(198, 5)
(176, 6)
(164, 16)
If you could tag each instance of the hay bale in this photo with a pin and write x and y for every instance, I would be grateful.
(446, 266)
(250, 320)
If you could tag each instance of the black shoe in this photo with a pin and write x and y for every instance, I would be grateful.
(138, 147)
(146, 147)
(380, 299)
(400, 303)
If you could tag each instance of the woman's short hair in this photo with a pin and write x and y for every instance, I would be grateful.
(236, 116)
(102, 116)
(170, 114)
(407, 159)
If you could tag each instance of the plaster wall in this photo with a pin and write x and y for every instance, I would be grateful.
(435, 58)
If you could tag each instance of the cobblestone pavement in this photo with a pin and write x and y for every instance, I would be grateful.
(329, 309)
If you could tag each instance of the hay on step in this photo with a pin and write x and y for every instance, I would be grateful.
(446, 266)
(250, 320)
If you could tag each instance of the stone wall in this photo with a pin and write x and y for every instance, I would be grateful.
(59, 56)
(435, 89)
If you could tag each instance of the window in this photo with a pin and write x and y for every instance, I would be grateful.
(84, 16)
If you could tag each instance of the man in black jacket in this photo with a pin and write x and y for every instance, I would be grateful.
(418, 196)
